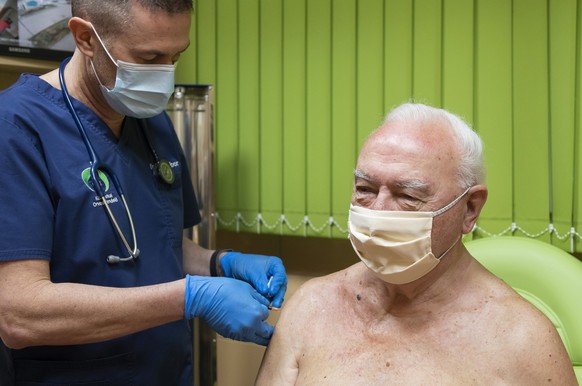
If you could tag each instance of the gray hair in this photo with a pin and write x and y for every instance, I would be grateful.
(471, 165)
(111, 16)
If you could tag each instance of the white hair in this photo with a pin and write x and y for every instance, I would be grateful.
(471, 165)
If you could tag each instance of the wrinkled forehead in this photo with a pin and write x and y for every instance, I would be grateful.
(430, 138)
(420, 149)
(435, 131)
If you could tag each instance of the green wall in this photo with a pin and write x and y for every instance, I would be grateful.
(300, 84)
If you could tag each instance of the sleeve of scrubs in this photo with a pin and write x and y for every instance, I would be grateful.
(25, 196)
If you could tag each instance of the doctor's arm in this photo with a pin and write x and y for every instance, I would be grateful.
(35, 311)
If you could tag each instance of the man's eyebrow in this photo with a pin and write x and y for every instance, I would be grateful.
(360, 174)
(414, 184)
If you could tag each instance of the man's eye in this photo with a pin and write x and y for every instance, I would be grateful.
(409, 200)
(363, 189)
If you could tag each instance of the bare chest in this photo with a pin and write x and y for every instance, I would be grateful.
(353, 354)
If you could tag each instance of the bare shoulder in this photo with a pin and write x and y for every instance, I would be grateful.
(506, 305)
(320, 293)
(515, 317)
(317, 301)
(530, 340)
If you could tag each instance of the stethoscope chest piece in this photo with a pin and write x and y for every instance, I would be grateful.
(164, 170)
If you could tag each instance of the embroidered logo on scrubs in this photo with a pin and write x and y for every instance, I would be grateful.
(87, 180)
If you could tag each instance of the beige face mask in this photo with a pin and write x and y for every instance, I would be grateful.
(395, 245)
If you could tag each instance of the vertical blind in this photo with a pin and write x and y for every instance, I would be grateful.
(301, 83)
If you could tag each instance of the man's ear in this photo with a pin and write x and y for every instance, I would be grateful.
(477, 197)
(83, 35)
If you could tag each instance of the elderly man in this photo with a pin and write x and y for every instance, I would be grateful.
(419, 309)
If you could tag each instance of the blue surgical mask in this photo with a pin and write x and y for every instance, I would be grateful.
(140, 90)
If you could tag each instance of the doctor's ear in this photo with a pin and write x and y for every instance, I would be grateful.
(477, 197)
(83, 34)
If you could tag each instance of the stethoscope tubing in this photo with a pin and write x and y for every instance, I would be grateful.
(96, 167)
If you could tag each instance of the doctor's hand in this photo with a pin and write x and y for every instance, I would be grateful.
(265, 273)
(230, 307)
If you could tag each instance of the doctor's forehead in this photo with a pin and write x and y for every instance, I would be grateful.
(158, 32)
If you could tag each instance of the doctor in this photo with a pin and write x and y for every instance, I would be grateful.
(97, 283)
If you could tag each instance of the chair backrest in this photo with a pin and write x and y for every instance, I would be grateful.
(545, 275)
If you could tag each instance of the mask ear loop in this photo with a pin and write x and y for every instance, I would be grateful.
(451, 204)
(451, 247)
(106, 51)
(103, 45)
(444, 209)
(95, 72)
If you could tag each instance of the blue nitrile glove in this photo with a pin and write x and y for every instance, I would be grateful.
(231, 307)
(258, 270)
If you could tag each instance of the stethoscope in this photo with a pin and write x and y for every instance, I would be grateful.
(162, 168)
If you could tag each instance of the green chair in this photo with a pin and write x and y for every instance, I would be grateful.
(548, 277)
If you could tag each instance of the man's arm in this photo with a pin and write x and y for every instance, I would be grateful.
(34, 311)
(280, 365)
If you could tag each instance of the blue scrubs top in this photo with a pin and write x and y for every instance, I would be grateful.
(49, 211)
